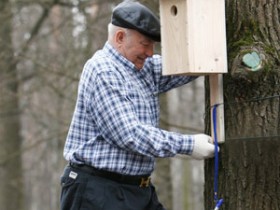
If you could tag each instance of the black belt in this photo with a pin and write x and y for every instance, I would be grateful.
(141, 181)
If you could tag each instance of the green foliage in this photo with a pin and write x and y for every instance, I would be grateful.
(244, 37)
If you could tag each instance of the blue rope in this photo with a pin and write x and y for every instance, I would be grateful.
(216, 163)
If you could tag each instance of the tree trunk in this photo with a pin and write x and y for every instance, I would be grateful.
(249, 159)
(10, 141)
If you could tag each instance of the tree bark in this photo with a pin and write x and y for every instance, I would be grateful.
(10, 142)
(249, 176)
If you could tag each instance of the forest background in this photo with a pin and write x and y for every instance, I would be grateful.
(44, 45)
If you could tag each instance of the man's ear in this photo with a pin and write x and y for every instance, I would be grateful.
(120, 35)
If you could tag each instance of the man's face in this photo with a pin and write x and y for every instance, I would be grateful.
(136, 48)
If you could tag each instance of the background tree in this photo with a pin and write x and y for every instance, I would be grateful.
(249, 166)
(10, 141)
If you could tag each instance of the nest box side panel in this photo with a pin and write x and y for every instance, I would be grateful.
(207, 36)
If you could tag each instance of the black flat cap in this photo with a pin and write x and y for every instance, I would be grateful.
(133, 15)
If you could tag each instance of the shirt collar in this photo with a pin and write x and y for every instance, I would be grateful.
(108, 48)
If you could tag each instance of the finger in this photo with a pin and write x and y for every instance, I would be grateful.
(210, 140)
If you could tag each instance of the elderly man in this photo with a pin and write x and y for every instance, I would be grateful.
(114, 137)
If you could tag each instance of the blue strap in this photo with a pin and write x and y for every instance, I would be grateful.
(216, 163)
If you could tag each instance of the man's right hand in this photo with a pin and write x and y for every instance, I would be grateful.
(203, 147)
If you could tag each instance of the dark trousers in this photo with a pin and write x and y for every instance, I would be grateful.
(82, 191)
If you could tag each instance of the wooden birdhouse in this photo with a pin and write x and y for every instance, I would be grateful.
(193, 36)
(193, 40)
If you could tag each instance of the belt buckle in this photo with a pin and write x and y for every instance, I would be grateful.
(145, 182)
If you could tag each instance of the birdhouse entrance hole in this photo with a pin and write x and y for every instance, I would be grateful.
(174, 10)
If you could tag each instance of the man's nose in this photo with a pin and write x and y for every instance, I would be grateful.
(150, 51)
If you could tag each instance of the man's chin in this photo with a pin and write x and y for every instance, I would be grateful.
(139, 67)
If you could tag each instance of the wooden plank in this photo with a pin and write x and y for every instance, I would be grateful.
(174, 36)
(217, 98)
(193, 36)
(207, 38)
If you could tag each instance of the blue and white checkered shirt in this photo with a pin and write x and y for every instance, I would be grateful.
(115, 122)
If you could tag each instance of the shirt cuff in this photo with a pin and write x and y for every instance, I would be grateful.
(187, 145)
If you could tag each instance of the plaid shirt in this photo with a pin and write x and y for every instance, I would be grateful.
(115, 122)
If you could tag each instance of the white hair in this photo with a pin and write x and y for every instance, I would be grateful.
(112, 29)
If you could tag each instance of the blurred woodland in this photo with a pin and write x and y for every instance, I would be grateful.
(44, 45)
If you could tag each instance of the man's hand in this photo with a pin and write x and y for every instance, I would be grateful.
(203, 147)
